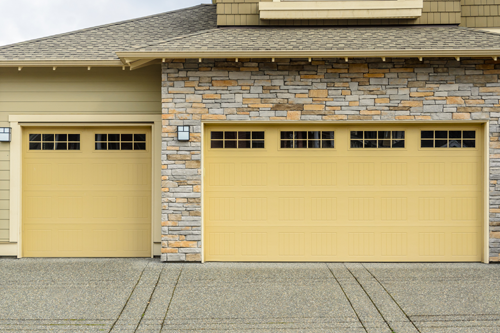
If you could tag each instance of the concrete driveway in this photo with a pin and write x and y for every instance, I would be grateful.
(144, 295)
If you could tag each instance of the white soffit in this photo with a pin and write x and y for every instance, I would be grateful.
(356, 9)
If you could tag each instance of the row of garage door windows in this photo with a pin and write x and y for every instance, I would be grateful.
(102, 142)
(358, 139)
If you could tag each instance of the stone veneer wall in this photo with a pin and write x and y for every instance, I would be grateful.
(329, 90)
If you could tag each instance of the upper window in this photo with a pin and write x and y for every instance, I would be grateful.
(377, 139)
(120, 142)
(237, 140)
(54, 142)
(448, 139)
(307, 139)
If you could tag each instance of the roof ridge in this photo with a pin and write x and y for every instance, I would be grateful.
(101, 26)
(178, 37)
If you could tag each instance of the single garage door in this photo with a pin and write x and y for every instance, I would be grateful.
(343, 193)
(86, 192)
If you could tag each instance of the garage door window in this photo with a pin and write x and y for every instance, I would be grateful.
(54, 141)
(377, 139)
(307, 139)
(120, 142)
(448, 139)
(237, 140)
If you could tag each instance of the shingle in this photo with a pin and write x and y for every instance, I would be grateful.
(102, 42)
(330, 39)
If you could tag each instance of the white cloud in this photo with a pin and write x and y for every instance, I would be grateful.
(22, 20)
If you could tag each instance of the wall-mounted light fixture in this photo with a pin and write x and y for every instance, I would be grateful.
(183, 133)
(5, 134)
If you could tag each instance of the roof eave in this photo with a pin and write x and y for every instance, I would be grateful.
(130, 57)
(61, 63)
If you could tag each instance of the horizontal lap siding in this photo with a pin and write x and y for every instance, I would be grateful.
(75, 91)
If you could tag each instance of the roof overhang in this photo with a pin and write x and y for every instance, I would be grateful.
(139, 58)
(61, 63)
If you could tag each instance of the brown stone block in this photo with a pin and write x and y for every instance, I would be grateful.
(370, 112)
(461, 116)
(356, 117)
(412, 103)
(311, 77)
(179, 157)
(477, 78)
(169, 129)
(489, 89)
(336, 117)
(421, 94)
(288, 107)
(318, 93)
(495, 145)
(175, 217)
(341, 85)
(169, 224)
(180, 90)
(483, 66)
(193, 164)
(346, 93)
(399, 108)
(251, 100)
(378, 70)
(353, 103)
(270, 87)
(402, 70)
(249, 69)
(184, 244)
(333, 108)
(358, 68)
(169, 250)
(224, 83)
(455, 100)
(183, 116)
(167, 100)
(301, 95)
(167, 116)
(492, 71)
(423, 117)
(336, 70)
(260, 105)
(193, 257)
(374, 75)
(474, 101)
(405, 117)
(197, 110)
(495, 234)
(211, 96)
(382, 100)
(293, 115)
(433, 98)
(314, 107)
(191, 84)
(469, 109)
(198, 105)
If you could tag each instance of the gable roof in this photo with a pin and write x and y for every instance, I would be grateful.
(102, 42)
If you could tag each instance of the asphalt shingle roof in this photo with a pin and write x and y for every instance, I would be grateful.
(330, 39)
(102, 42)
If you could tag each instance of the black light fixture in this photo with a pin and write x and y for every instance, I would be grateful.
(183, 133)
(5, 134)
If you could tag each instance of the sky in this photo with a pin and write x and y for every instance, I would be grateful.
(22, 20)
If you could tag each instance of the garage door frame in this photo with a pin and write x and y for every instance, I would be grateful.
(19, 121)
(486, 157)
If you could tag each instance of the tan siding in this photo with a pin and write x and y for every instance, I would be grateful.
(480, 13)
(71, 91)
(246, 12)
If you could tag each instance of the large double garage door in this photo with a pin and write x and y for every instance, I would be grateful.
(344, 193)
(86, 192)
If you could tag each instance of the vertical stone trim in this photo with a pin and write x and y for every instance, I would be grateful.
(328, 90)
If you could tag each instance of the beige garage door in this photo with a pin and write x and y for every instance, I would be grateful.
(343, 193)
(86, 192)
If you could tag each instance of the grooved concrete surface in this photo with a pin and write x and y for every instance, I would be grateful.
(145, 295)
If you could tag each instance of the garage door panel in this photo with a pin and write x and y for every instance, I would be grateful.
(344, 204)
(86, 203)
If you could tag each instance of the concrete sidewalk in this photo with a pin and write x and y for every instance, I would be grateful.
(144, 295)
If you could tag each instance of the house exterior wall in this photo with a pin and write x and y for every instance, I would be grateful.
(480, 14)
(246, 12)
(327, 91)
(75, 91)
